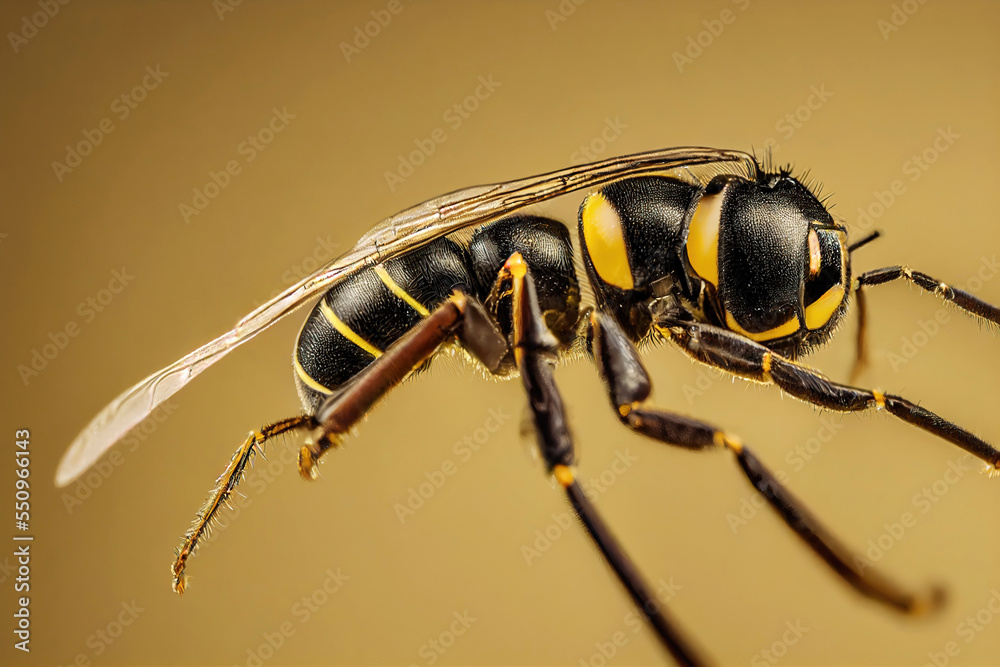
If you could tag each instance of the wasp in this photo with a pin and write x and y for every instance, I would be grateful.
(739, 266)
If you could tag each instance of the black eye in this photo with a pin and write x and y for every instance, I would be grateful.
(826, 266)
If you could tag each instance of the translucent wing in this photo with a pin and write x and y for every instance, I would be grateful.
(397, 234)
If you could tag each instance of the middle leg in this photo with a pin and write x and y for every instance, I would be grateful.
(629, 387)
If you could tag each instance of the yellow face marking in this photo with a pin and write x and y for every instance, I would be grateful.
(605, 238)
(394, 287)
(307, 379)
(346, 331)
(815, 256)
(819, 312)
(703, 238)
(786, 329)
(563, 475)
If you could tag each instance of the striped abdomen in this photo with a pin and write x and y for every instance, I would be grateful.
(359, 318)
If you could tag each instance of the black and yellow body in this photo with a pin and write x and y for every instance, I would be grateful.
(743, 270)
(762, 258)
(357, 320)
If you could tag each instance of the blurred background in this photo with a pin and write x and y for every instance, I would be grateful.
(169, 166)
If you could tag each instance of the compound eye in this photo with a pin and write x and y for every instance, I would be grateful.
(825, 276)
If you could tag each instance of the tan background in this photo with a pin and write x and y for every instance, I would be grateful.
(323, 177)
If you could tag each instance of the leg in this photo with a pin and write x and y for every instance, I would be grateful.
(629, 387)
(534, 347)
(861, 347)
(861, 342)
(224, 487)
(960, 298)
(740, 356)
(459, 315)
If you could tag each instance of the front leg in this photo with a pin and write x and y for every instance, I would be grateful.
(741, 356)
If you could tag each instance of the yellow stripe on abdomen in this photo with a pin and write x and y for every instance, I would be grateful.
(346, 331)
(394, 287)
(308, 379)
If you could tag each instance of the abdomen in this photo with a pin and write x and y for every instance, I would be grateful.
(358, 319)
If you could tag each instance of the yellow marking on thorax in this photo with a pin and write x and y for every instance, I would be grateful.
(703, 238)
(605, 238)
(819, 312)
(394, 287)
(346, 331)
(786, 329)
(307, 379)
